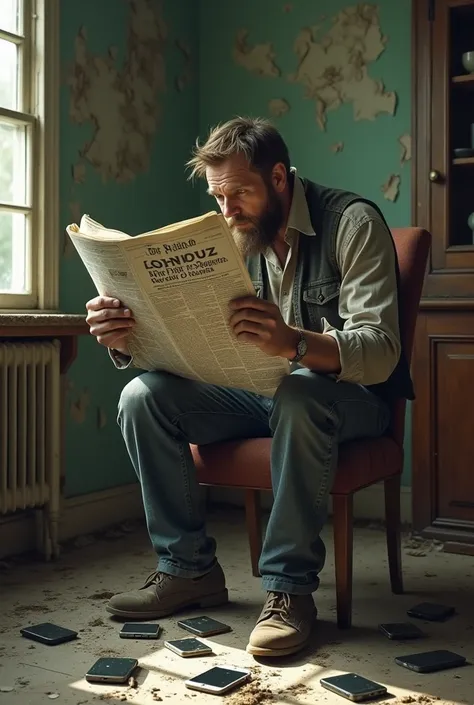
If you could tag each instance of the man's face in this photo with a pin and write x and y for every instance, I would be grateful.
(251, 206)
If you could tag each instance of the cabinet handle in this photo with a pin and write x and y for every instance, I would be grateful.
(435, 176)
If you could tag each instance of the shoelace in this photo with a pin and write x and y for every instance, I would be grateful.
(277, 603)
(156, 578)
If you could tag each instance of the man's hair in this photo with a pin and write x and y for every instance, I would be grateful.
(255, 138)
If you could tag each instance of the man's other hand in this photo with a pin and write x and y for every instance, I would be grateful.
(260, 322)
(109, 322)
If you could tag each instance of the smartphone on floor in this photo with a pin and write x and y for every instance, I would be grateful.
(431, 661)
(401, 630)
(431, 611)
(218, 680)
(111, 670)
(354, 687)
(204, 626)
(132, 630)
(188, 648)
(48, 633)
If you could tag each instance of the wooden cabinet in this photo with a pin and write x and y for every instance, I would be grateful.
(443, 201)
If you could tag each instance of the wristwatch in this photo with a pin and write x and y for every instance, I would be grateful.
(301, 348)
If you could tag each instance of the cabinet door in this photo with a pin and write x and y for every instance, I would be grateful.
(454, 424)
(444, 142)
(443, 425)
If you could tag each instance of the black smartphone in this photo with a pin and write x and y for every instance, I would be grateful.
(401, 630)
(219, 680)
(431, 661)
(204, 626)
(354, 687)
(431, 611)
(132, 630)
(111, 670)
(48, 633)
(188, 647)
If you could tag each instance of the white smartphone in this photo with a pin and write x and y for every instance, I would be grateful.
(219, 680)
(188, 647)
(111, 670)
(204, 626)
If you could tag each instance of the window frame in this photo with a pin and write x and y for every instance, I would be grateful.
(40, 85)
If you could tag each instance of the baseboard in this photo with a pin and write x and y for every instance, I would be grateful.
(368, 503)
(97, 511)
(80, 515)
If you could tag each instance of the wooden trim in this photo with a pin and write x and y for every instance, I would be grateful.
(463, 549)
(80, 515)
(447, 304)
(47, 153)
(445, 534)
(421, 429)
(421, 115)
(33, 331)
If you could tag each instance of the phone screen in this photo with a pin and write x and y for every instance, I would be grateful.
(113, 667)
(189, 645)
(218, 677)
(131, 628)
(354, 684)
(203, 625)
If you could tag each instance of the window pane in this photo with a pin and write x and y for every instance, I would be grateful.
(13, 253)
(8, 75)
(12, 164)
(10, 15)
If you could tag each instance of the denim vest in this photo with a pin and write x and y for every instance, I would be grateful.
(318, 279)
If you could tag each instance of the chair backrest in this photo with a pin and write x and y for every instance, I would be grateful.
(412, 246)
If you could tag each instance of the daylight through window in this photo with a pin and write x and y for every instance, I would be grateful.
(24, 182)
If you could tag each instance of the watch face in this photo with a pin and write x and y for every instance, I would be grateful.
(302, 347)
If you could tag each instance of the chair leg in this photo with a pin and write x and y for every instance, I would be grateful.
(392, 520)
(343, 546)
(253, 515)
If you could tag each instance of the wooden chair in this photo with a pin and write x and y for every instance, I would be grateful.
(245, 464)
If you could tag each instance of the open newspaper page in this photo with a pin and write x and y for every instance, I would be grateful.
(178, 282)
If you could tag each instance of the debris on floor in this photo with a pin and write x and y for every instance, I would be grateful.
(73, 593)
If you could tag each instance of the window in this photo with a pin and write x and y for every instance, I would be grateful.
(29, 86)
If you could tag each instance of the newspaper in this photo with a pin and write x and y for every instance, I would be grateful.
(178, 282)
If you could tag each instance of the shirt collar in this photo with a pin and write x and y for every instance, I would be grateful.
(299, 218)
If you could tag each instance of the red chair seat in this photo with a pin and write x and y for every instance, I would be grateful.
(246, 464)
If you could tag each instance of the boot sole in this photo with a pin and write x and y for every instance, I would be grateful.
(271, 653)
(219, 598)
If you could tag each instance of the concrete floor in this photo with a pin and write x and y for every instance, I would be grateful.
(73, 592)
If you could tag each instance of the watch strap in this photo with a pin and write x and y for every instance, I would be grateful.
(301, 348)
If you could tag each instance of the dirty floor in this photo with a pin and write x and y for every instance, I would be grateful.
(73, 591)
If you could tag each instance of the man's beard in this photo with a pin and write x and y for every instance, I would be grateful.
(256, 239)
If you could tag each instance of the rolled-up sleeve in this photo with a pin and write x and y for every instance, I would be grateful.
(369, 343)
(120, 360)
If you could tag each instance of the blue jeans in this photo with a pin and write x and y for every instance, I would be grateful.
(310, 414)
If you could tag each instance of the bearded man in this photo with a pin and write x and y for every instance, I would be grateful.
(324, 267)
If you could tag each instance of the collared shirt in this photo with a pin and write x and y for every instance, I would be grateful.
(280, 279)
(369, 344)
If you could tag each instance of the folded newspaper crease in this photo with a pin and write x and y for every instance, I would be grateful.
(178, 281)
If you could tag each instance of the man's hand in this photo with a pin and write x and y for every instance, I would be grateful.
(109, 322)
(260, 322)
